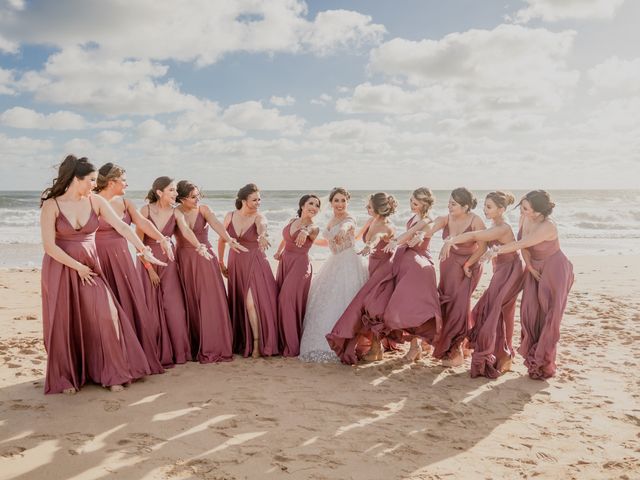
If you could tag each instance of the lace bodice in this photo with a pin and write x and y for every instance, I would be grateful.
(338, 241)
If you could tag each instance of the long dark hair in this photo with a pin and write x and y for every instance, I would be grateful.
(159, 183)
(184, 188)
(70, 168)
(540, 202)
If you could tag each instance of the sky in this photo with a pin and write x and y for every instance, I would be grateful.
(309, 95)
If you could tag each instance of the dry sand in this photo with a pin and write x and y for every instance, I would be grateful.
(280, 418)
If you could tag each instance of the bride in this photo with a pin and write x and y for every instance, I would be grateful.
(340, 278)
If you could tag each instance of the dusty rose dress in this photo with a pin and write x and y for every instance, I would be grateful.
(82, 340)
(293, 281)
(455, 296)
(166, 302)
(542, 306)
(205, 298)
(493, 316)
(120, 274)
(400, 299)
(251, 271)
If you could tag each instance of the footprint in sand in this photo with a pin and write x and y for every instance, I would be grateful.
(111, 405)
(11, 451)
(546, 457)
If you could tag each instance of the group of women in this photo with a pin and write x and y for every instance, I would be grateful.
(111, 320)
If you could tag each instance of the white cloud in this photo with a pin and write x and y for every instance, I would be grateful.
(19, 117)
(282, 101)
(555, 10)
(200, 30)
(323, 99)
(253, 116)
(151, 128)
(23, 146)
(392, 99)
(616, 76)
(342, 28)
(505, 68)
(6, 82)
(89, 80)
(80, 147)
(109, 137)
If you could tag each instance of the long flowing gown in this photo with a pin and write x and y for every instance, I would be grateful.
(166, 302)
(341, 277)
(293, 280)
(399, 301)
(84, 342)
(493, 316)
(250, 271)
(455, 296)
(205, 298)
(120, 274)
(542, 306)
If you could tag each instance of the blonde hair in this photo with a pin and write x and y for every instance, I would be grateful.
(106, 174)
(501, 199)
(426, 198)
(383, 204)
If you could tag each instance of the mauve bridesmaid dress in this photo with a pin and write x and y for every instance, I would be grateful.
(82, 339)
(493, 316)
(455, 296)
(399, 300)
(205, 298)
(120, 274)
(293, 281)
(166, 302)
(251, 271)
(542, 306)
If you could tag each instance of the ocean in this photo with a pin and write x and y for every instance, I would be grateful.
(591, 222)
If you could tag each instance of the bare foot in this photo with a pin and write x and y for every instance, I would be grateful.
(70, 391)
(256, 349)
(456, 358)
(504, 366)
(375, 353)
(426, 348)
(116, 388)
(415, 352)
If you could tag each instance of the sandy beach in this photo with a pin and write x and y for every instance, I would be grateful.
(281, 418)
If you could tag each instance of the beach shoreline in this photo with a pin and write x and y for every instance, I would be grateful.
(281, 418)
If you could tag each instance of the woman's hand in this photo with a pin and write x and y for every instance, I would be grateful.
(203, 251)
(86, 274)
(235, 246)
(446, 249)
(391, 246)
(277, 256)
(165, 245)
(223, 269)
(263, 241)
(535, 273)
(417, 239)
(466, 268)
(148, 257)
(366, 251)
(301, 238)
(153, 276)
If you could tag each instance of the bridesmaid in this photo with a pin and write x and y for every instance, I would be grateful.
(86, 335)
(294, 274)
(163, 289)
(252, 287)
(547, 283)
(379, 231)
(205, 296)
(460, 273)
(117, 265)
(493, 315)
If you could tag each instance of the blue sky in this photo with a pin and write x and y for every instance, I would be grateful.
(292, 95)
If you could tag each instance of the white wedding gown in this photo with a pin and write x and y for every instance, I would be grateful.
(340, 278)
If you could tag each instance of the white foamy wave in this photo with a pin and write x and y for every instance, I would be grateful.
(12, 217)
